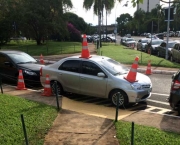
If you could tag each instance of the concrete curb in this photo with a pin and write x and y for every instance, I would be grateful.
(157, 71)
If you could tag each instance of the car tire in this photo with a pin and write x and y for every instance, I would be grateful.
(123, 98)
(59, 88)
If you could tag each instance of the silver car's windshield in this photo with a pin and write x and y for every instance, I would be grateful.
(129, 39)
(114, 67)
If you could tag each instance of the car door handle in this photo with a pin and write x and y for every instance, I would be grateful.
(60, 74)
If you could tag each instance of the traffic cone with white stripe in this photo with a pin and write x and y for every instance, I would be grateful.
(131, 77)
(85, 51)
(41, 59)
(47, 87)
(148, 70)
(20, 84)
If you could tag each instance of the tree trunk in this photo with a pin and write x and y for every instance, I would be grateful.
(38, 41)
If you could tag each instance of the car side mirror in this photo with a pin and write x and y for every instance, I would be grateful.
(100, 74)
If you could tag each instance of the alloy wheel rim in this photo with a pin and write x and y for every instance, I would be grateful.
(54, 89)
(121, 99)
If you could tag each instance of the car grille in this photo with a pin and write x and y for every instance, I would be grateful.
(147, 86)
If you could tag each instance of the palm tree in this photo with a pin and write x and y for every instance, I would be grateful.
(159, 13)
(98, 6)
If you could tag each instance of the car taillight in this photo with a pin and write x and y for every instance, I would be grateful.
(41, 71)
(175, 85)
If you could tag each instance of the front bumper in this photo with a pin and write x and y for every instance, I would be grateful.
(139, 96)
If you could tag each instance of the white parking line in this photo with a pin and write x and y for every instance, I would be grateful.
(160, 94)
(158, 102)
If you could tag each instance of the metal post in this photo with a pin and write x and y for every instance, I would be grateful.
(117, 106)
(168, 23)
(57, 99)
(132, 134)
(24, 129)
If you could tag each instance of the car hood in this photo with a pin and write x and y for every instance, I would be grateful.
(141, 78)
(31, 66)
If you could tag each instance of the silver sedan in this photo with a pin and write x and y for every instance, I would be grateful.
(97, 76)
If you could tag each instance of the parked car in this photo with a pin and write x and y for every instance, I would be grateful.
(128, 35)
(122, 42)
(97, 76)
(152, 45)
(161, 50)
(174, 97)
(129, 42)
(141, 44)
(13, 61)
(175, 53)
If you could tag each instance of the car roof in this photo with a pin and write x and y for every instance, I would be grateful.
(93, 58)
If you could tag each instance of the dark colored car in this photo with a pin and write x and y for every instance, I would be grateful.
(152, 46)
(13, 61)
(174, 98)
(141, 44)
(161, 50)
(175, 53)
(122, 42)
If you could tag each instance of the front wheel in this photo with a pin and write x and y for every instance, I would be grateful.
(123, 98)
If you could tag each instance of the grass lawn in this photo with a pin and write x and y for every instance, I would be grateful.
(48, 48)
(144, 135)
(38, 119)
(126, 56)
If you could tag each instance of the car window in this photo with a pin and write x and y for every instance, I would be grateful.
(90, 68)
(70, 65)
(176, 47)
(145, 41)
(114, 67)
(163, 44)
(171, 44)
(21, 57)
(129, 39)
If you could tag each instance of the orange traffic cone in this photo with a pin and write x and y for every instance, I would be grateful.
(131, 77)
(20, 84)
(47, 88)
(85, 51)
(41, 59)
(148, 70)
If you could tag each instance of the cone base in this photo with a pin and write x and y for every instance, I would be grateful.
(21, 88)
(131, 81)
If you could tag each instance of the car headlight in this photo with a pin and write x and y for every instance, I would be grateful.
(30, 73)
(136, 86)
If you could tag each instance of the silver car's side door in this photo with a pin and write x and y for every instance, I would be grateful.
(68, 75)
(90, 83)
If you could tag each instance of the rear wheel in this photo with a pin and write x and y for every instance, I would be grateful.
(123, 98)
(58, 87)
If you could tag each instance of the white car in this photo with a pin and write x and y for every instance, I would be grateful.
(97, 76)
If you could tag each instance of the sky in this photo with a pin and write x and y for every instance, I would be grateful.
(89, 16)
